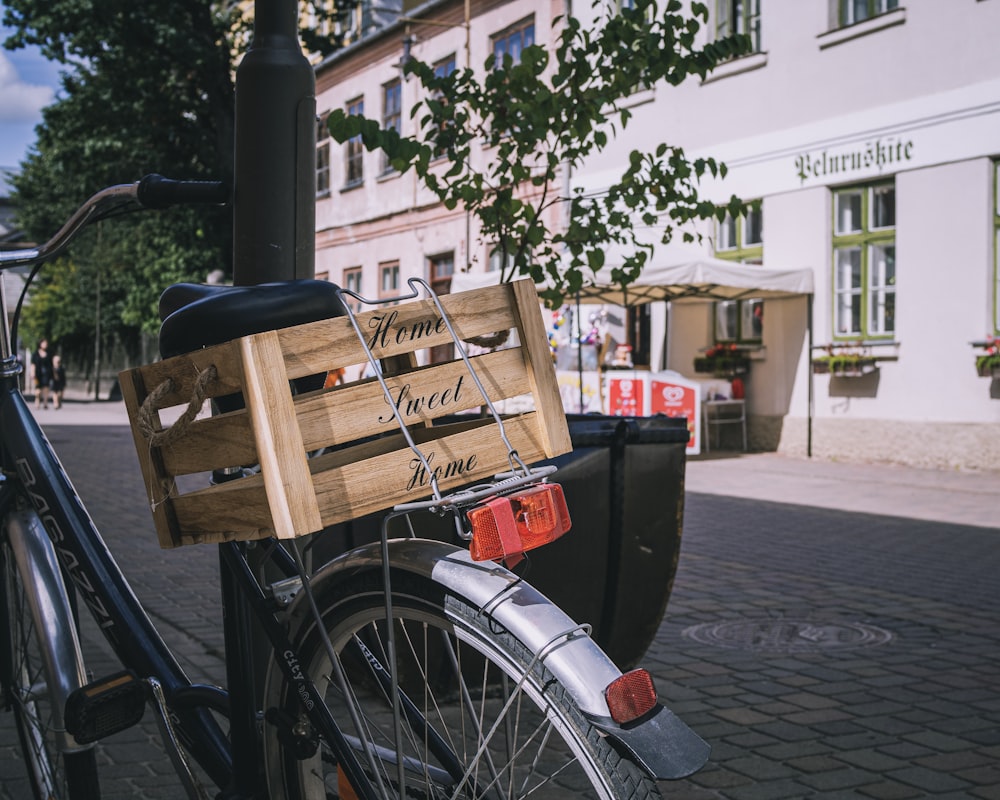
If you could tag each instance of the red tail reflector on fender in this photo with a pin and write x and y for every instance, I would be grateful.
(630, 696)
(505, 527)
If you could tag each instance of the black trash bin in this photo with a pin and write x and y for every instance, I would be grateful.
(624, 484)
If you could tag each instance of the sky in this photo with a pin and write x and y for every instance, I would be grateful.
(27, 84)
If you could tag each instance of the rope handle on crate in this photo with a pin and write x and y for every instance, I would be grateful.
(158, 437)
(489, 340)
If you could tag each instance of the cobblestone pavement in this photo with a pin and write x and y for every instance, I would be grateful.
(833, 631)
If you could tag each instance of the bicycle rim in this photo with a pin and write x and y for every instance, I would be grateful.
(51, 774)
(493, 729)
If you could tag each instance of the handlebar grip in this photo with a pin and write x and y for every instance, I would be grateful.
(155, 191)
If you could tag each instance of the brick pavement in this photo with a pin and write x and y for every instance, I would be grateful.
(823, 653)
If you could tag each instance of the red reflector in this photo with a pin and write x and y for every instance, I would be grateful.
(507, 526)
(630, 696)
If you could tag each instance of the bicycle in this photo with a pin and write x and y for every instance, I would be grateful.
(478, 687)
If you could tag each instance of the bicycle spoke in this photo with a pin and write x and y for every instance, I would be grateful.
(479, 716)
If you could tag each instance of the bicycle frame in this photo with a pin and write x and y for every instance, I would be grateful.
(92, 570)
(119, 615)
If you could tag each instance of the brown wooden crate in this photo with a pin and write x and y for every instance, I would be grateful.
(294, 495)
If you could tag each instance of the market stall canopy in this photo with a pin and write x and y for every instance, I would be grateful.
(683, 276)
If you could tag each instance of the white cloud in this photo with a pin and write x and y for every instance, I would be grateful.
(19, 101)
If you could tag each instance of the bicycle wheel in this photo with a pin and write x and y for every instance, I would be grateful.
(68, 775)
(481, 725)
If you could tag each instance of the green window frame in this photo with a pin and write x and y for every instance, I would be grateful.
(854, 11)
(733, 17)
(864, 262)
(740, 239)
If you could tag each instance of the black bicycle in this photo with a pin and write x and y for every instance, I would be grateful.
(404, 668)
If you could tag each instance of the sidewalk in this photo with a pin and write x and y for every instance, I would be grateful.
(82, 412)
(954, 497)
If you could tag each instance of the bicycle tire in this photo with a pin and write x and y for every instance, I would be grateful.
(581, 764)
(52, 775)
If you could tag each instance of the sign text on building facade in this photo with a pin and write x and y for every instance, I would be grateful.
(875, 154)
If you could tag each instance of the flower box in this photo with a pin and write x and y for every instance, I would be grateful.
(844, 366)
(722, 365)
(988, 370)
(724, 360)
(988, 362)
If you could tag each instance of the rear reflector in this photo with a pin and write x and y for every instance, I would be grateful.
(505, 527)
(631, 696)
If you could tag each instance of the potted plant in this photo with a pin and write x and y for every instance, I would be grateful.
(988, 362)
(723, 360)
(845, 361)
(844, 365)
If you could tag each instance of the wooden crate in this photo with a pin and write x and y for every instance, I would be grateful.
(370, 466)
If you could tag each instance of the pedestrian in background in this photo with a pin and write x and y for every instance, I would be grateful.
(41, 370)
(58, 382)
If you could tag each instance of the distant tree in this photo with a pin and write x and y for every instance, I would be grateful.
(551, 111)
(146, 87)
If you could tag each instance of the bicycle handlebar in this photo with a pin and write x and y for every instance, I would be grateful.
(153, 191)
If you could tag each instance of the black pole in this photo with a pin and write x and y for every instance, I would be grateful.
(579, 353)
(810, 400)
(274, 199)
(274, 225)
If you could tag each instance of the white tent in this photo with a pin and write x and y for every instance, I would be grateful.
(687, 276)
(681, 275)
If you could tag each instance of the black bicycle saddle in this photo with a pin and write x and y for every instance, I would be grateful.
(200, 315)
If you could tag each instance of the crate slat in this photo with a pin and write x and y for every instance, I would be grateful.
(422, 395)
(280, 450)
(379, 482)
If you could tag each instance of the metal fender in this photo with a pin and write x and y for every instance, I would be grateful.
(51, 615)
(661, 743)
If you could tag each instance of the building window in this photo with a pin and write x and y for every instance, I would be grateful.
(352, 283)
(440, 269)
(739, 321)
(740, 239)
(852, 11)
(630, 5)
(354, 149)
(444, 67)
(864, 261)
(500, 260)
(392, 107)
(322, 158)
(734, 17)
(512, 41)
(388, 283)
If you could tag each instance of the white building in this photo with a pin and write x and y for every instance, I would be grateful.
(376, 227)
(869, 130)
